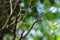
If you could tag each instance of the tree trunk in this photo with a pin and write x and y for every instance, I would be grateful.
(1, 35)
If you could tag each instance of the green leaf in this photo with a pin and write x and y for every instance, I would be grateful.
(50, 16)
(46, 4)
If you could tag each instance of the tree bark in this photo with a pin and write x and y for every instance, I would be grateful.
(1, 35)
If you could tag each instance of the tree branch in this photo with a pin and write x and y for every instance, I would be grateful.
(14, 30)
(31, 27)
(11, 6)
(8, 19)
(37, 20)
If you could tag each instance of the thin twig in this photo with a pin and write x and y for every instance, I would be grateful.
(30, 3)
(10, 30)
(44, 14)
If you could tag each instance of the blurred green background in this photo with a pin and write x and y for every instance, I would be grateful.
(46, 29)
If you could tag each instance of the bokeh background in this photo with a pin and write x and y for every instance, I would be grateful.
(46, 29)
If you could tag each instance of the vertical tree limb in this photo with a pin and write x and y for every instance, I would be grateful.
(11, 6)
(14, 30)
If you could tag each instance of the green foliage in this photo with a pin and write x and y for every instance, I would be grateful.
(27, 15)
(46, 4)
(51, 16)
